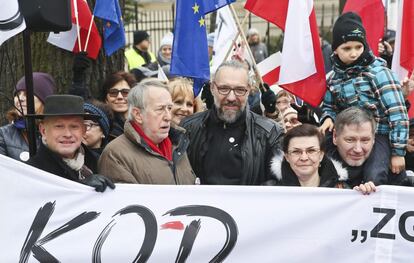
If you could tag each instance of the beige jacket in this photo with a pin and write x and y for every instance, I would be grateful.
(127, 159)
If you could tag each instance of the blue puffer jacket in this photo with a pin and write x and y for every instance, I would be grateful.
(375, 88)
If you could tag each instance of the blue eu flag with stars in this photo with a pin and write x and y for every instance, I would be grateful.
(190, 53)
(113, 26)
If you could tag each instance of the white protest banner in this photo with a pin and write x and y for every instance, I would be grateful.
(45, 218)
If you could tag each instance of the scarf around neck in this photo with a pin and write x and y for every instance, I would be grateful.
(164, 148)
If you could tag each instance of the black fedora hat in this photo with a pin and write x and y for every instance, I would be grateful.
(64, 105)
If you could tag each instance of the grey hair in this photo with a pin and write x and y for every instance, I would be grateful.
(137, 95)
(235, 64)
(354, 115)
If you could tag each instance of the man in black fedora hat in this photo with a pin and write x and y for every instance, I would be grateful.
(61, 152)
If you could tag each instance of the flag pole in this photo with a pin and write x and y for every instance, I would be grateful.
(236, 37)
(89, 32)
(248, 47)
(75, 7)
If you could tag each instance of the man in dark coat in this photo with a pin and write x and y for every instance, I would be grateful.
(61, 152)
(229, 144)
(353, 138)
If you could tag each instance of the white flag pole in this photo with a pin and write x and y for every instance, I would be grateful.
(75, 7)
(89, 32)
(247, 45)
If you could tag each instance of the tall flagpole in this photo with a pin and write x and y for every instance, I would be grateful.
(75, 7)
(247, 46)
(237, 36)
(89, 32)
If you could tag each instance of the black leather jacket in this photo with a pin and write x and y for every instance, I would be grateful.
(13, 144)
(262, 140)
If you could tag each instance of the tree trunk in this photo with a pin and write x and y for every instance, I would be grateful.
(55, 61)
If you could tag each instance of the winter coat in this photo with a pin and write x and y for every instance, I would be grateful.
(375, 88)
(259, 52)
(331, 173)
(128, 159)
(48, 161)
(13, 144)
(136, 60)
(261, 141)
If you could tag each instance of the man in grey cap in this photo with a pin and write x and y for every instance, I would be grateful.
(258, 48)
(61, 153)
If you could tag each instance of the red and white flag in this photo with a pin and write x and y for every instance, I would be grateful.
(302, 69)
(403, 59)
(269, 68)
(69, 40)
(372, 13)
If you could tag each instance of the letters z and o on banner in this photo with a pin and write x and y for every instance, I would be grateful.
(45, 218)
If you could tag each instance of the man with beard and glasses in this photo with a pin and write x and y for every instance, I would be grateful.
(229, 144)
(354, 140)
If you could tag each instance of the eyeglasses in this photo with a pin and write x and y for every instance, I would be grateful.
(114, 92)
(311, 152)
(89, 125)
(292, 121)
(225, 90)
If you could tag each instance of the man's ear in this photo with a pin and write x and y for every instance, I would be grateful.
(42, 128)
(137, 113)
(334, 136)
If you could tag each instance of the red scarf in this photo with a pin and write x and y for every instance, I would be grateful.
(164, 148)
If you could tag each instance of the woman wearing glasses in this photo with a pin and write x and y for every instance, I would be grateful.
(115, 92)
(97, 131)
(304, 162)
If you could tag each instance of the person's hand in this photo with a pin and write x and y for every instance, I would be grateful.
(366, 188)
(384, 48)
(410, 145)
(397, 164)
(268, 99)
(81, 62)
(326, 125)
(407, 86)
(99, 182)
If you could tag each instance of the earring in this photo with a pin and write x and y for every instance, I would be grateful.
(103, 136)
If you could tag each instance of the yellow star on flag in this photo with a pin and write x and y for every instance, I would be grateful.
(195, 8)
(201, 21)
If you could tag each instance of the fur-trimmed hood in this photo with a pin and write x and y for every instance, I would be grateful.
(278, 171)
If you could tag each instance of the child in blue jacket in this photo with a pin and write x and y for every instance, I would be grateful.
(360, 79)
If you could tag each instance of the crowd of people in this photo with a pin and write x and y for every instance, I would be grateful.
(142, 130)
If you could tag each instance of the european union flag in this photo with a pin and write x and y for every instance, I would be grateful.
(190, 53)
(213, 5)
(113, 27)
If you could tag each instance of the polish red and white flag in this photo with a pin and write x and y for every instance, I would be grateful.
(70, 40)
(302, 69)
(403, 59)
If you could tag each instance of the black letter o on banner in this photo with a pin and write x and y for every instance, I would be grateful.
(403, 229)
(150, 237)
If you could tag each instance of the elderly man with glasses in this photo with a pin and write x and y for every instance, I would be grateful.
(151, 150)
(229, 144)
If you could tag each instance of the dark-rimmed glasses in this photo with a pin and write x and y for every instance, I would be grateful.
(114, 92)
(225, 90)
(89, 125)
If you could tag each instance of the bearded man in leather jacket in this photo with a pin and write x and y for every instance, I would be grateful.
(229, 144)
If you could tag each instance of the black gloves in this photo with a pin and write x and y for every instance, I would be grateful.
(268, 99)
(206, 95)
(99, 182)
(81, 63)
